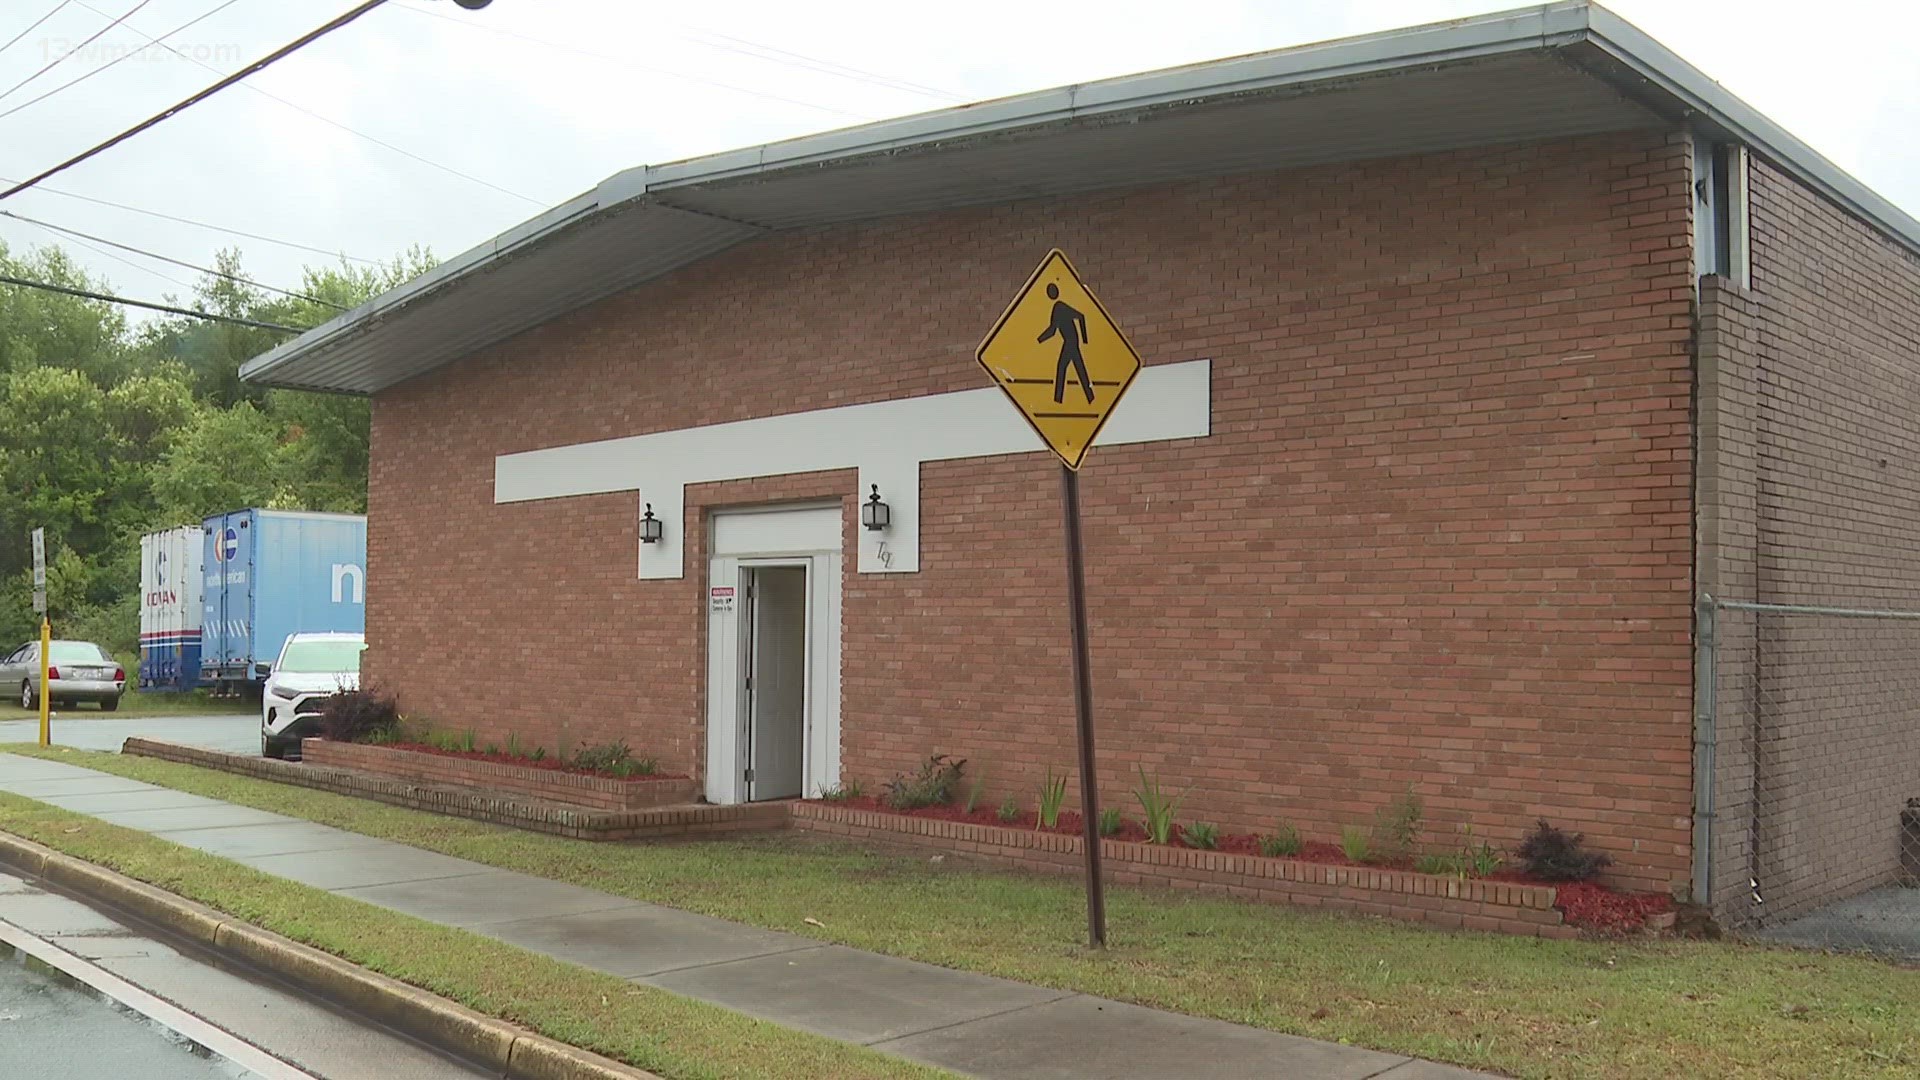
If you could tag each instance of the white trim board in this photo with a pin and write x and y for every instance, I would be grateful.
(886, 441)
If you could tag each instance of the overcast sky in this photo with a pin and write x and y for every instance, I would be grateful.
(529, 102)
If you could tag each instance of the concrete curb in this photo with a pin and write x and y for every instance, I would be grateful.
(507, 1049)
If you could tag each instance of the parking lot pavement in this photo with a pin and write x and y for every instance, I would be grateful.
(233, 733)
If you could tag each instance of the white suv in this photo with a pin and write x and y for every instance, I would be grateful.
(311, 668)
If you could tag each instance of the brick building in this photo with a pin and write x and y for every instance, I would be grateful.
(1456, 344)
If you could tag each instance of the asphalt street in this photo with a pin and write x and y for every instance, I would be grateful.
(234, 734)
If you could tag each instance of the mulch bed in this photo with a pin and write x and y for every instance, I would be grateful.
(1586, 905)
(549, 764)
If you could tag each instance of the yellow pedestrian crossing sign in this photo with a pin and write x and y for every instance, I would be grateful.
(1061, 358)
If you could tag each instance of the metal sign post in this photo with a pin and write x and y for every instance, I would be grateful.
(1083, 708)
(46, 632)
(1065, 364)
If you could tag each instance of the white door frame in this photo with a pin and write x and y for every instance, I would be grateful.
(750, 538)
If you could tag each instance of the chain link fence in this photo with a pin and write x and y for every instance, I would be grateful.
(1808, 732)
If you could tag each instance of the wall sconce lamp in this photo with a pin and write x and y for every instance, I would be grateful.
(875, 514)
(650, 527)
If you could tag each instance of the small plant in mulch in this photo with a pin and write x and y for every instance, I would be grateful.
(1204, 835)
(841, 793)
(1551, 854)
(359, 716)
(1283, 843)
(1356, 843)
(1109, 820)
(1156, 806)
(933, 785)
(1053, 795)
(614, 759)
(973, 790)
(1396, 829)
(1009, 811)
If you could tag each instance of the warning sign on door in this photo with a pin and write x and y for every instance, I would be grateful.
(722, 596)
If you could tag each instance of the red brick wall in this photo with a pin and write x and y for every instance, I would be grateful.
(1811, 495)
(1439, 537)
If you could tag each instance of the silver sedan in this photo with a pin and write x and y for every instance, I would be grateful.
(81, 671)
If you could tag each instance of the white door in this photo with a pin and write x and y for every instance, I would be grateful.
(775, 680)
(784, 726)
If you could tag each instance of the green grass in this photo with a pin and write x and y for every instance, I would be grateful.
(653, 1029)
(135, 705)
(1657, 1009)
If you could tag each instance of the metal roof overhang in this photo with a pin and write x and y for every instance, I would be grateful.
(1559, 70)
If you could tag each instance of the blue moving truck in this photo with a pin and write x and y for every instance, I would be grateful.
(271, 573)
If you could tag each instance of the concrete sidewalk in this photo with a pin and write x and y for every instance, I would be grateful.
(972, 1024)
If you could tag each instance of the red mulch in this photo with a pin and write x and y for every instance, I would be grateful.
(549, 764)
(1584, 904)
(1596, 907)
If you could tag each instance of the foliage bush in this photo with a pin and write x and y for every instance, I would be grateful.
(1109, 820)
(932, 786)
(1009, 811)
(1552, 854)
(359, 716)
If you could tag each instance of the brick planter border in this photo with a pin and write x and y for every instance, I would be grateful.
(561, 820)
(547, 785)
(1401, 894)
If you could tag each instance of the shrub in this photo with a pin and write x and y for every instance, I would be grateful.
(1009, 811)
(1396, 830)
(1204, 835)
(539, 754)
(1552, 854)
(1157, 807)
(1283, 844)
(1440, 863)
(356, 715)
(615, 759)
(1109, 820)
(1354, 843)
(932, 787)
(1053, 793)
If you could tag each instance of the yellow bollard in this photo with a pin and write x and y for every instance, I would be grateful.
(46, 684)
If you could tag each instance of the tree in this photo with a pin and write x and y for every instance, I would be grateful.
(224, 459)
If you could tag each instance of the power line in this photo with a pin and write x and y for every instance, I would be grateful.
(629, 62)
(125, 261)
(57, 8)
(773, 54)
(297, 107)
(157, 41)
(258, 65)
(51, 64)
(87, 294)
(43, 189)
(176, 262)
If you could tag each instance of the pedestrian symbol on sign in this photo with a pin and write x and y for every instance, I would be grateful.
(1056, 339)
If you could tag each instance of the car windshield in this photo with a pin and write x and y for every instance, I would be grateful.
(323, 657)
(78, 652)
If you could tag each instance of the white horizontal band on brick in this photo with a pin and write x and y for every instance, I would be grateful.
(885, 440)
